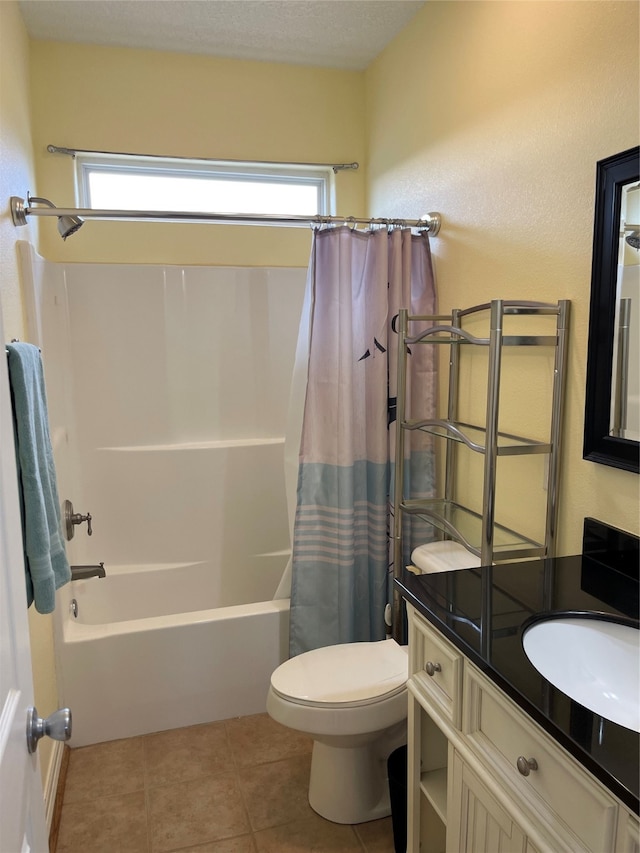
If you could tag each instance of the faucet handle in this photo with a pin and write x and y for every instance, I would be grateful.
(72, 518)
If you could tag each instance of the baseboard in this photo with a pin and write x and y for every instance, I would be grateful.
(54, 790)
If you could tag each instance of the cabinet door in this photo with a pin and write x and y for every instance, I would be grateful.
(628, 833)
(476, 823)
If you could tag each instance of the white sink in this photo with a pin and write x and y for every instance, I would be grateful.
(591, 660)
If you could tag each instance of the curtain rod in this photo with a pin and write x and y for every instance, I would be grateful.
(71, 152)
(20, 209)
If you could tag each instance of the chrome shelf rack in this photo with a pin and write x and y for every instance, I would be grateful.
(478, 532)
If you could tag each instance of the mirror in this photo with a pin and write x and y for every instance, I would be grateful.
(612, 409)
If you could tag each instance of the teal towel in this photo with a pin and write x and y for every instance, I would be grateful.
(47, 568)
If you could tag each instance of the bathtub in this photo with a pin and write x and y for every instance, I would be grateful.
(147, 649)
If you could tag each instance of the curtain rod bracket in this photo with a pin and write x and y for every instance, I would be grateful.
(56, 149)
(433, 222)
(341, 167)
(18, 212)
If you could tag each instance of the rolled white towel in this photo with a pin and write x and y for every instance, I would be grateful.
(443, 556)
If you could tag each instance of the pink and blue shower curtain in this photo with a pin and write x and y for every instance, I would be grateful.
(357, 282)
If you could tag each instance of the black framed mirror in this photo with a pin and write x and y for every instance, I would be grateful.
(611, 434)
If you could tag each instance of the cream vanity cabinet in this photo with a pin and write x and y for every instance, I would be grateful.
(484, 777)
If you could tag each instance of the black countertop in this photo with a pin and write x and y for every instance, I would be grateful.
(482, 611)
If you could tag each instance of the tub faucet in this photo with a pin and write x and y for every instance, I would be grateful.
(79, 573)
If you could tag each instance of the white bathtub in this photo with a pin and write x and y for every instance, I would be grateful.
(149, 650)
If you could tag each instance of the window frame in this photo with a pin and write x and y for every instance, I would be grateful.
(322, 177)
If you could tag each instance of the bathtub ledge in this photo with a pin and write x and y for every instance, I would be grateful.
(195, 445)
(77, 632)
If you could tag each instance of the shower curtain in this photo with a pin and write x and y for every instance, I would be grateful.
(356, 284)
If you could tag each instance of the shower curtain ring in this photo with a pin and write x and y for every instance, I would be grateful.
(319, 222)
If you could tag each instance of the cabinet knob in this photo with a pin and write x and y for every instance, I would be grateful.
(526, 765)
(431, 668)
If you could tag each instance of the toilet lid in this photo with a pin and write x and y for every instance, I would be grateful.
(351, 673)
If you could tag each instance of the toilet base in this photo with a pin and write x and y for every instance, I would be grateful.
(349, 785)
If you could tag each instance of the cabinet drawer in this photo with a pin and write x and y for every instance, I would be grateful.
(558, 789)
(435, 667)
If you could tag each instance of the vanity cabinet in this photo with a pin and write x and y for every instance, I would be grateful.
(483, 776)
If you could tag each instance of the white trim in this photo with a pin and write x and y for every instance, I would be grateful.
(319, 177)
(51, 782)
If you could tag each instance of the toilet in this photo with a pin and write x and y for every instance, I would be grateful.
(352, 700)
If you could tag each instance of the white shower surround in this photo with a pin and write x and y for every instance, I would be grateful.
(168, 393)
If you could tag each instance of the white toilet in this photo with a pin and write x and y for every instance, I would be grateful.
(352, 700)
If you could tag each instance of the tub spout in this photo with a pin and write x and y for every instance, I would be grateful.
(79, 573)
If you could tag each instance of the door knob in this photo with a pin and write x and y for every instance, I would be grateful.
(56, 726)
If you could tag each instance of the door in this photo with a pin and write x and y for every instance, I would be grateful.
(476, 822)
(22, 820)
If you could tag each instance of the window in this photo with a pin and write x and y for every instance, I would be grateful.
(119, 182)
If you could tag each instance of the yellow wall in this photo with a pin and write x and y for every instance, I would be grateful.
(494, 114)
(15, 155)
(150, 102)
(17, 175)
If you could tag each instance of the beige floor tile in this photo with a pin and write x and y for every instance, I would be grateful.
(115, 767)
(258, 739)
(179, 755)
(205, 788)
(304, 836)
(108, 824)
(196, 812)
(376, 835)
(277, 793)
(240, 844)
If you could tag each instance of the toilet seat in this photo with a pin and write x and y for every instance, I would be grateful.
(350, 675)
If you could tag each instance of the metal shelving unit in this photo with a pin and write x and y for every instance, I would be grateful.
(479, 532)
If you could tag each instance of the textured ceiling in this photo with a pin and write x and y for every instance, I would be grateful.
(333, 33)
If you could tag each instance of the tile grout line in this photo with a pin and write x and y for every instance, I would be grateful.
(238, 784)
(147, 810)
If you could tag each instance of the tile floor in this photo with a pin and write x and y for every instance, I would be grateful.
(236, 786)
